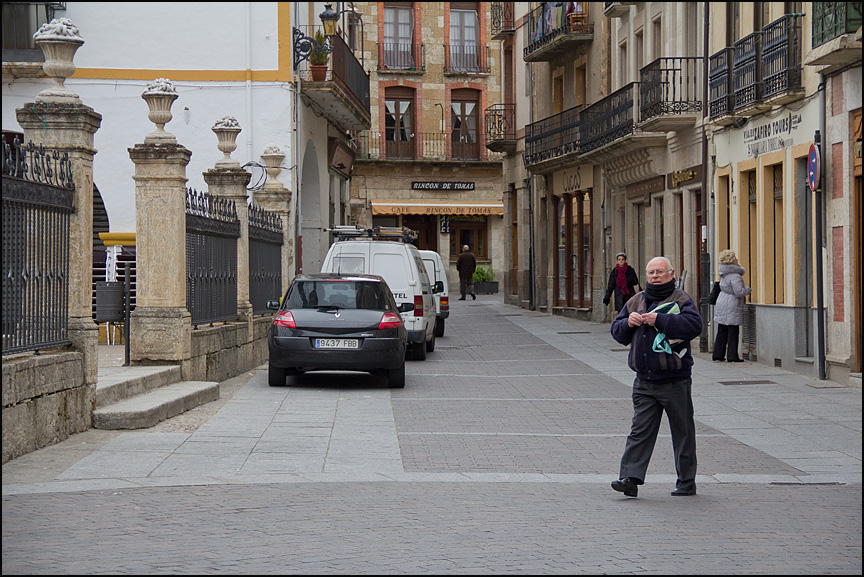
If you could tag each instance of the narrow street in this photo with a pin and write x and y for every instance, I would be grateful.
(495, 458)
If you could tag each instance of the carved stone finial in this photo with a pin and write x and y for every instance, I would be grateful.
(159, 96)
(58, 40)
(227, 128)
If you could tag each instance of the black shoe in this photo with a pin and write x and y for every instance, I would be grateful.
(684, 492)
(461, 298)
(626, 486)
(717, 360)
(473, 296)
(734, 360)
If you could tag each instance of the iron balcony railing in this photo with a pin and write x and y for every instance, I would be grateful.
(781, 55)
(466, 59)
(428, 146)
(343, 68)
(833, 19)
(408, 57)
(37, 208)
(747, 70)
(500, 122)
(503, 21)
(720, 90)
(671, 86)
(609, 119)
(551, 20)
(554, 136)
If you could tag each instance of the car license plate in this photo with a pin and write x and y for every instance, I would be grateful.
(337, 343)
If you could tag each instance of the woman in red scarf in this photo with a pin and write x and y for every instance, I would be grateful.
(622, 280)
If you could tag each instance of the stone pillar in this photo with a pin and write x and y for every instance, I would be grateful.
(275, 197)
(228, 180)
(59, 121)
(161, 325)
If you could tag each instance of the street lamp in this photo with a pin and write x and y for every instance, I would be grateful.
(329, 18)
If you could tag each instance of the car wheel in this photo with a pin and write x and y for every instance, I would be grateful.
(418, 351)
(430, 345)
(439, 327)
(396, 377)
(276, 376)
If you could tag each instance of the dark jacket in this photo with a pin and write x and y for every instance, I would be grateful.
(612, 286)
(465, 264)
(650, 365)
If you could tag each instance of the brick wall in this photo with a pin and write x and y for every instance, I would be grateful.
(839, 272)
(837, 170)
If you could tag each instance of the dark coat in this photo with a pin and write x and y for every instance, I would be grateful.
(612, 286)
(686, 326)
(466, 264)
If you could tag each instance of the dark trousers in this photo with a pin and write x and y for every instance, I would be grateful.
(726, 343)
(650, 399)
(466, 285)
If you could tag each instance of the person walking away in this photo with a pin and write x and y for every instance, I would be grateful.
(466, 263)
(729, 310)
(658, 324)
(622, 281)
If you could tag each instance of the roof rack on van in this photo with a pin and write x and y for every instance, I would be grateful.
(404, 233)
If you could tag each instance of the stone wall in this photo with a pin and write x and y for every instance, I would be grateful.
(225, 351)
(45, 400)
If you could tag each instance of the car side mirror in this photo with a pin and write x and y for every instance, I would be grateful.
(406, 307)
(439, 287)
(273, 305)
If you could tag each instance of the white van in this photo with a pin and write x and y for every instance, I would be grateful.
(388, 253)
(436, 271)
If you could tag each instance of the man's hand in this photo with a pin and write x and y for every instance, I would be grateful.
(634, 320)
(649, 319)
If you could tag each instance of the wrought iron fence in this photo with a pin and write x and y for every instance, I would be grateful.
(468, 58)
(212, 230)
(781, 55)
(503, 20)
(550, 20)
(671, 85)
(265, 258)
(832, 19)
(404, 145)
(37, 204)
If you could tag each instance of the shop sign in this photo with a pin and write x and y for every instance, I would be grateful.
(678, 178)
(643, 190)
(770, 135)
(572, 179)
(442, 185)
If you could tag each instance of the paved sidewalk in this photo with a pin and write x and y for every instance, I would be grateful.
(496, 457)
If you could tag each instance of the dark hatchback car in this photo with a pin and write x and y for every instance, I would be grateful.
(337, 322)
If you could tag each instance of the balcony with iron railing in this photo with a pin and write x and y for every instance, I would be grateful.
(670, 91)
(466, 59)
(401, 58)
(834, 29)
(342, 95)
(759, 71)
(552, 141)
(501, 128)
(609, 128)
(551, 31)
(401, 145)
(503, 21)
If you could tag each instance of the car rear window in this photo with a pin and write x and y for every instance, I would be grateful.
(339, 293)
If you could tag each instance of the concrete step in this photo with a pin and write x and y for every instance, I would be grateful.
(148, 409)
(115, 384)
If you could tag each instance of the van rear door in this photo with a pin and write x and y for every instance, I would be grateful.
(393, 267)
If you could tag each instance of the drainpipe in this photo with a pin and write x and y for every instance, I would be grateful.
(532, 304)
(249, 123)
(818, 200)
(705, 279)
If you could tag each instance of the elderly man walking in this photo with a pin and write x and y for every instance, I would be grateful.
(658, 324)
(465, 264)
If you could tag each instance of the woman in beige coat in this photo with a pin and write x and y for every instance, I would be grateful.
(729, 310)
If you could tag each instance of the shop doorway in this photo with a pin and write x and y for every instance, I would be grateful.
(573, 258)
(426, 227)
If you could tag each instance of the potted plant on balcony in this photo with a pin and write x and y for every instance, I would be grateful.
(483, 280)
(318, 59)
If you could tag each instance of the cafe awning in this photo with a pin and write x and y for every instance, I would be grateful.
(437, 207)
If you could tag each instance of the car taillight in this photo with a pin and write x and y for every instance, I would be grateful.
(390, 321)
(418, 306)
(284, 319)
(445, 303)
